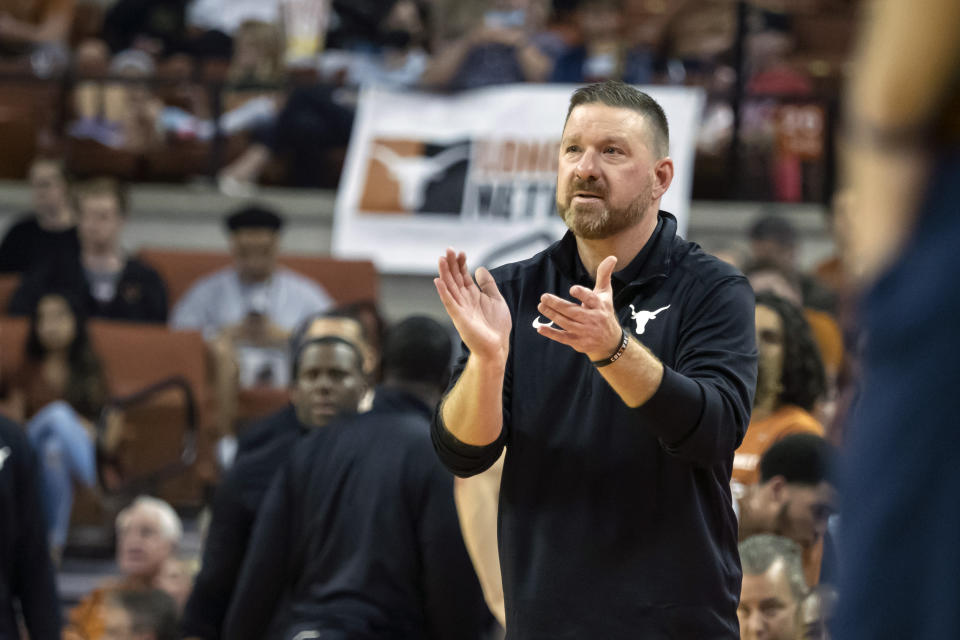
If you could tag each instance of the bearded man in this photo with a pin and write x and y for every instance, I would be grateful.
(620, 409)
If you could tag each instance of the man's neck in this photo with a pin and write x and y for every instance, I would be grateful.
(109, 259)
(428, 394)
(624, 245)
(58, 220)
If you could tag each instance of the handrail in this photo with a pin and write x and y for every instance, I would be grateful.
(188, 451)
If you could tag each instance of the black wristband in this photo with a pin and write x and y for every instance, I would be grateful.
(624, 341)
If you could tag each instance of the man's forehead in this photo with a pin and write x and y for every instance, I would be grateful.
(773, 582)
(602, 119)
(332, 354)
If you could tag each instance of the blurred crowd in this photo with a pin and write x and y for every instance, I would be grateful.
(293, 372)
(260, 322)
(265, 92)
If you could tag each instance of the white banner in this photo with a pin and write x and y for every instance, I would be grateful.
(476, 171)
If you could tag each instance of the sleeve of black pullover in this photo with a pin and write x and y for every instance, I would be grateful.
(34, 582)
(224, 549)
(453, 600)
(702, 407)
(460, 458)
(263, 577)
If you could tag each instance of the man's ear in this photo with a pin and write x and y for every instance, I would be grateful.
(778, 488)
(663, 176)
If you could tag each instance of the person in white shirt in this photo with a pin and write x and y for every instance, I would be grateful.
(247, 311)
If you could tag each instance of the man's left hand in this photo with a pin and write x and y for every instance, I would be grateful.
(590, 327)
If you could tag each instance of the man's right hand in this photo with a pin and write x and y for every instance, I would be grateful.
(478, 311)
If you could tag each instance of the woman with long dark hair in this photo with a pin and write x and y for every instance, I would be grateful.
(59, 392)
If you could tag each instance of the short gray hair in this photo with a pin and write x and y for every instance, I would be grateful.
(170, 525)
(758, 553)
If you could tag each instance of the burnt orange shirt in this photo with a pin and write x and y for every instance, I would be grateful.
(763, 433)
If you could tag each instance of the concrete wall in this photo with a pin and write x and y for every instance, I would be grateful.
(189, 217)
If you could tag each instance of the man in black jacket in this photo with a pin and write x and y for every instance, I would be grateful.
(26, 573)
(109, 283)
(620, 410)
(358, 537)
(47, 232)
(328, 379)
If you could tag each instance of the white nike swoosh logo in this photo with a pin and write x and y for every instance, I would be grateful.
(4, 454)
(537, 323)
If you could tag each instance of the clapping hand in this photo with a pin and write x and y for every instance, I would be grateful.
(477, 310)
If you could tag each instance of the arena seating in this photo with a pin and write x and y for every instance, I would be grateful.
(166, 445)
(346, 281)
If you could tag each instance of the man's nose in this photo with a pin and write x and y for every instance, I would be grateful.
(755, 628)
(588, 167)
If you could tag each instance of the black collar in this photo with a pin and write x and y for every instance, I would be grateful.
(389, 399)
(652, 261)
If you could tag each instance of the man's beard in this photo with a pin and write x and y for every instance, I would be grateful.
(598, 225)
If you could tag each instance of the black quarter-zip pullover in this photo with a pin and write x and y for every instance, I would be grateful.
(616, 522)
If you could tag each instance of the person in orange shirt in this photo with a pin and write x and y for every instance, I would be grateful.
(148, 534)
(790, 380)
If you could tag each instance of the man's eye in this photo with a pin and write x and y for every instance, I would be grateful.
(612, 150)
(573, 148)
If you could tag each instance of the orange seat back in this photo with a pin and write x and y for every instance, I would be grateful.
(346, 281)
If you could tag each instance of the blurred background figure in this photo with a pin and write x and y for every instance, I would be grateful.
(794, 497)
(774, 242)
(137, 614)
(901, 573)
(26, 572)
(59, 394)
(790, 382)
(500, 50)
(327, 380)
(604, 52)
(48, 231)
(815, 615)
(103, 277)
(148, 534)
(372, 473)
(772, 589)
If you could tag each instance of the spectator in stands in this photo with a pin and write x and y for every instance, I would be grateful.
(772, 588)
(816, 613)
(157, 27)
(372, 473)
(50, 230)
(794, 498)
(26, 573)
(108, 282)
(315, 119)
(774, 240)
(247, 311)
(148, 533)
(176, 579)
(224, 17)
(499, 51)
(59, 392)
(28, 24)
(603, 53)
(328, 379)
(122, 115)
(138, 614)
(255, 299)
(790, 380)
(255, 73)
